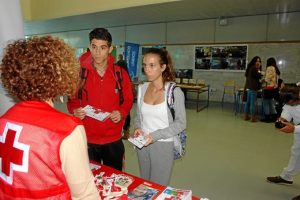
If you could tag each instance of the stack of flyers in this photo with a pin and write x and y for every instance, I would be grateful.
(143, 192)
(138, 141)
(95, 113)
(113, 186)
(175, 194)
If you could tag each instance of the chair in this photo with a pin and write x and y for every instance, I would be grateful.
(192, 81)
(229, 89)
(185, 81)
(178, 80)
(200, 82)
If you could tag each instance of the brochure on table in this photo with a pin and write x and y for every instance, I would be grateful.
(114, 184)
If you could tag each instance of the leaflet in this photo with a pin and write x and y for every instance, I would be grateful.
(138, 141)
(95, 113)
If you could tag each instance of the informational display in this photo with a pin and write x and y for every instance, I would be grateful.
(221, 57)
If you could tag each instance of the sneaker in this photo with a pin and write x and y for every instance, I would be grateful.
(296, 197)
(278, 179)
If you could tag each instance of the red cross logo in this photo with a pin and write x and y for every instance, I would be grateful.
(14, 155)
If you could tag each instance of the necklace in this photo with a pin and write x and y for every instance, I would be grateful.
(157, 89)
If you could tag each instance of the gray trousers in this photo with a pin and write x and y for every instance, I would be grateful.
(156, 162)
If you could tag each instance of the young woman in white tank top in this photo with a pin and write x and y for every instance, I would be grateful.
(154, 120)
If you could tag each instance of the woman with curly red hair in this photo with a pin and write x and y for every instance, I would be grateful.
(43, 151)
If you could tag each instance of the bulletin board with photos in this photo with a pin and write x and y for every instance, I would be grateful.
(221, 57)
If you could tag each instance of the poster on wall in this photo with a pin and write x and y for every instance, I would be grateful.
(131, 57)
(221, 57)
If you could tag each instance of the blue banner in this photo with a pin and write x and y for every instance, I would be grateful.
(131, 57)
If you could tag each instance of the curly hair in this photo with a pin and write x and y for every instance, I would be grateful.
(39, 68)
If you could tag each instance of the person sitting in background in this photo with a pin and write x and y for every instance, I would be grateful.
(290, 123)
(43, 151)
(253, 75)
(269, 91)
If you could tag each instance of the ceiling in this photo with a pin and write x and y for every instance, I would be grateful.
(165, 12)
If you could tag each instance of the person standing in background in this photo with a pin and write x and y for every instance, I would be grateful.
(269, 90)
(253, 75)
(43, 151)
(126, 128)
(154, 120)
(105, 87)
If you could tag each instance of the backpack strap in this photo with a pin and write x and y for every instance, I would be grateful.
(170, 98)
(119, 78)
(83, 77)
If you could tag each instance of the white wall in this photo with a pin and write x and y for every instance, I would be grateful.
(11, 27)
(263, 34)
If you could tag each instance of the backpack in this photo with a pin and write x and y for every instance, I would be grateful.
(180, 139)
(118, 76)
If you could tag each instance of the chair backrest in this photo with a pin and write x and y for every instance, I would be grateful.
(185, 81)
(229, 87)
(192, 81)
(178, 80)
(200, 82)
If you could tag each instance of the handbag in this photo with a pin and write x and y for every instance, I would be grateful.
(180, 139)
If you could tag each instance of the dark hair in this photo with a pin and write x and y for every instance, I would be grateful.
(168, 74)
(290, 92)
(272, 62)
(100, 34)
(251, 64)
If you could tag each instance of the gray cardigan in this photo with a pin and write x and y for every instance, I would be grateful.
(176, 126)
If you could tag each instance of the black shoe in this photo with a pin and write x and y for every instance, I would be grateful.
(296, 197)
(278, 179)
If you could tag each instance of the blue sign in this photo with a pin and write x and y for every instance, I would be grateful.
(131, 57)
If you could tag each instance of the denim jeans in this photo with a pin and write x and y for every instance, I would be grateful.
(251, 102)
(269, 107)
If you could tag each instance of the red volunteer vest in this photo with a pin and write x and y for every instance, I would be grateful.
(31, 133)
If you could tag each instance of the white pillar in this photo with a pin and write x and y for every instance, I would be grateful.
(11, 27)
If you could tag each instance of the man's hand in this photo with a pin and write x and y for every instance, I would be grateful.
(79, 112)
(115, 116)
(289, 127)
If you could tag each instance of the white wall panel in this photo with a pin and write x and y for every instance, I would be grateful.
(118, 35)
(146, 34)
(251, 28)
(79, 39)
(198, 31)
(284, 27)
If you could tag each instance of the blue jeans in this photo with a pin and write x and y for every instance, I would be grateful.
(251, 102)
(269, 107)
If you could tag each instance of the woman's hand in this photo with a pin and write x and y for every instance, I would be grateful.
(149, 139)
(137, 132)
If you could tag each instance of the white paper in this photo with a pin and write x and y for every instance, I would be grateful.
(95, 113)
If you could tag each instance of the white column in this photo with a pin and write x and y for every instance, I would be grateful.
(11, 27)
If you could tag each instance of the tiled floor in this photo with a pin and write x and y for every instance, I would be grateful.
(228, 158)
